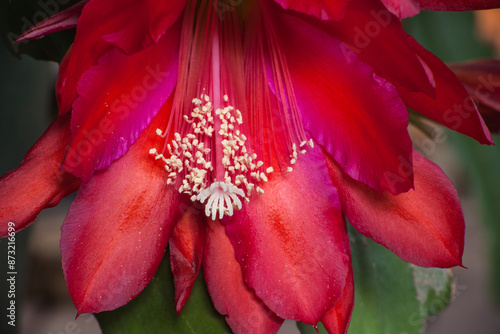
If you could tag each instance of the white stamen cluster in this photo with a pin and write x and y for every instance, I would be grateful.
(191, 159)
(242, 169)
(188, 155)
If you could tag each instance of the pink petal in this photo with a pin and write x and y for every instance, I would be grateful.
(322, 9)
(39, 182)
(402, 8)
(65, 19)
(458, 5)
(336, 320)
(424, 226)
(105, 24)
(354, 114)
(452, 105)
(118, 99)
(291, 242)
(117, 229)
(245, 313)
(377, 36)
(186, 249)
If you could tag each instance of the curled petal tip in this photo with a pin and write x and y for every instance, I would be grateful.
(65, 19)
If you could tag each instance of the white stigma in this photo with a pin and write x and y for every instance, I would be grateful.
(222, 198)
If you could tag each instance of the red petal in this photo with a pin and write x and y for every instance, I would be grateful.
(94, 22)
(118, 99)
(424, 226)
(378, 38)
(186, 249)
(64, 95)
(458, 5)
(142, 22)
(408, 8)
(244, 312)
(322, 9)
(126, 24)
(481, 79)
(291, 242)
(491, 117)
(162, 15)
(452, 105)
(355, 115)
(117, 229)
(403, 8)
(65, 19)
(336, 320)
(39, 182)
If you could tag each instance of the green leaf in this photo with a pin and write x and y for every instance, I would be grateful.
(308, 329)
(18, 16)
(385, 295)
(434, 289)
(153, 311)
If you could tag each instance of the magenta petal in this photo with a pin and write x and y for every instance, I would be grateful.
(355, 115)
(245, 313)
(452, 105)
(117, 229)
(118, 99)
(186, 249)
(39, 182)
(322, 9)
(65, 19)
(291, 242)
(424, 226)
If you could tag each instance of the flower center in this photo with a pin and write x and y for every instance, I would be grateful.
(192, 157)
(220, 153)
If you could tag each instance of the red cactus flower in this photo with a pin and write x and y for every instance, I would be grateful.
(243, 134)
